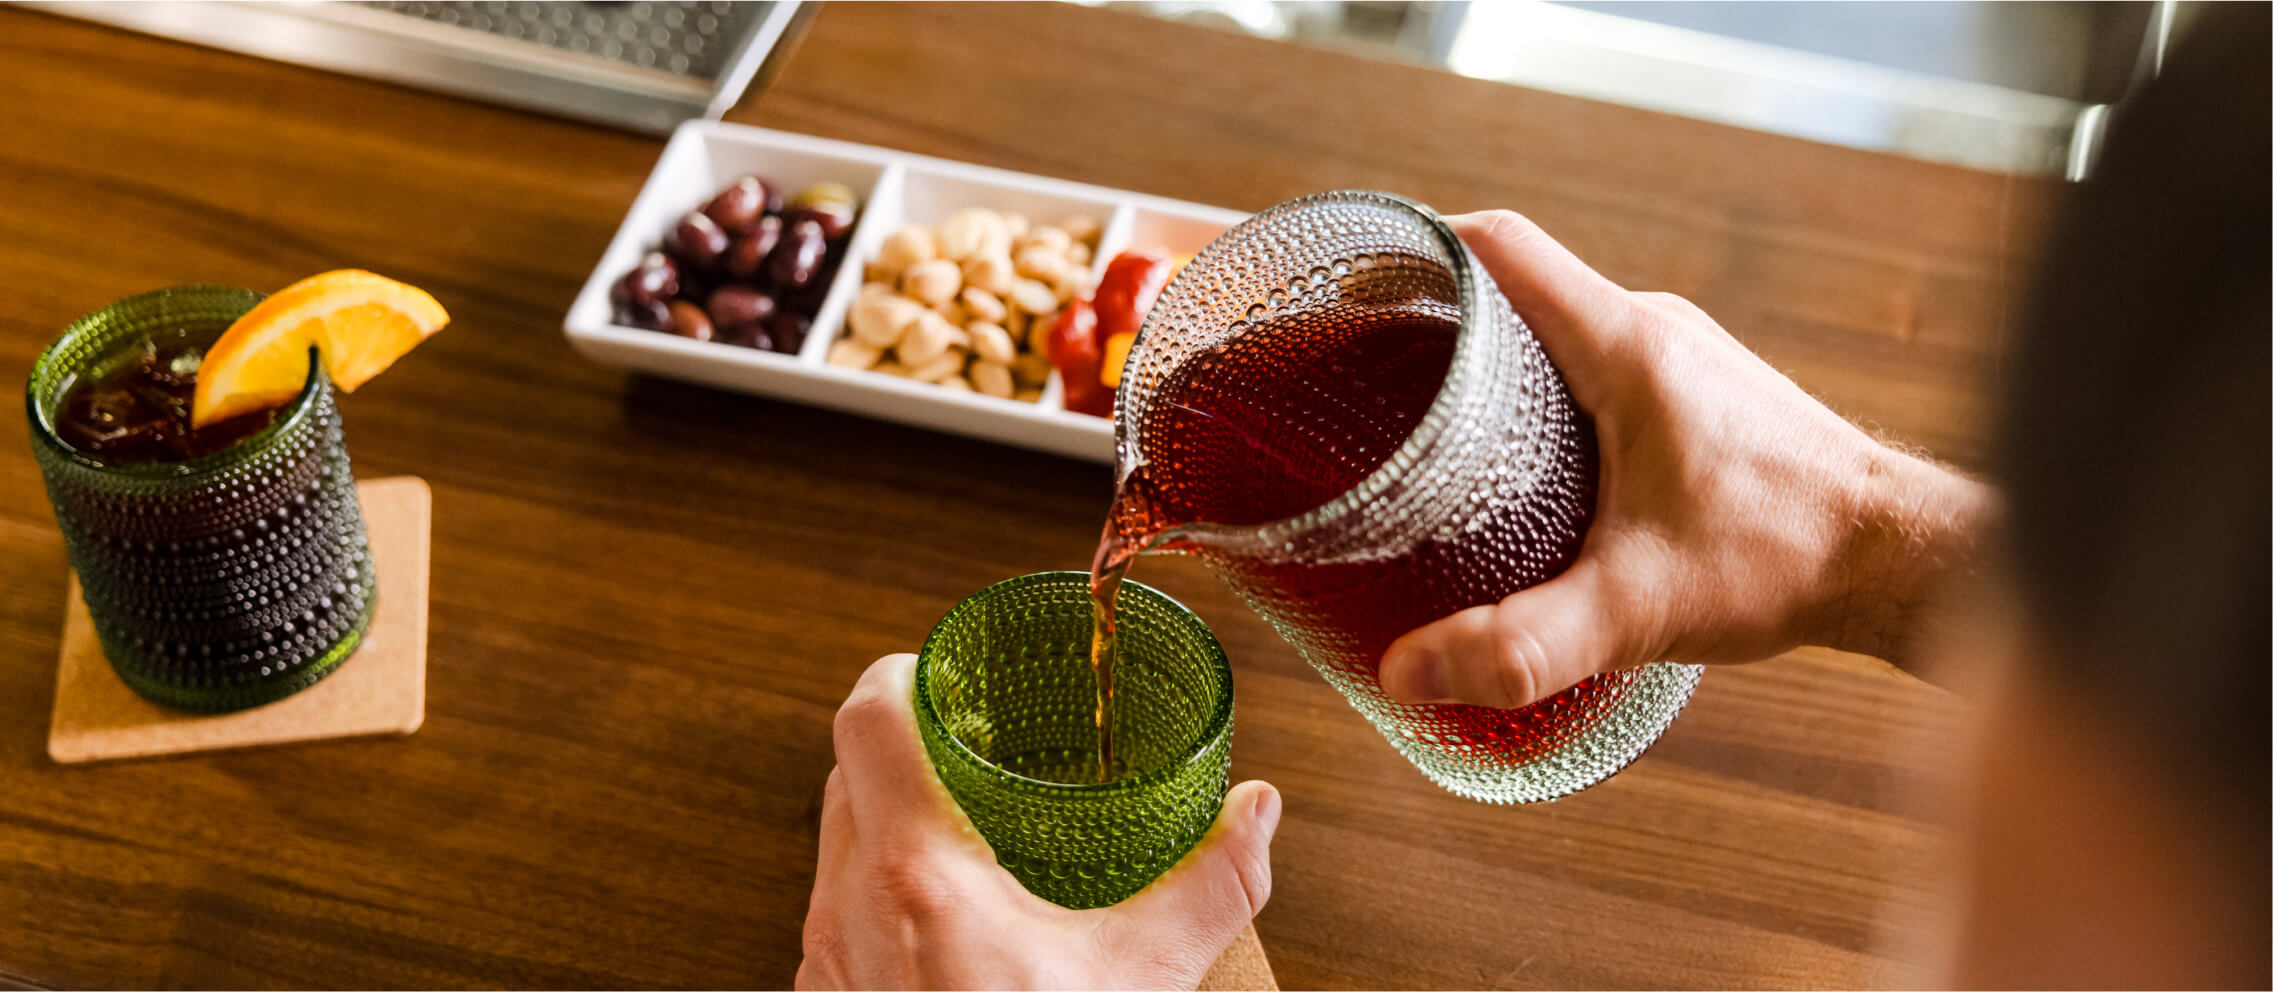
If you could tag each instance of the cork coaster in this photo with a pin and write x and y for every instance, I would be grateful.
(380, 689)
(1242, 967)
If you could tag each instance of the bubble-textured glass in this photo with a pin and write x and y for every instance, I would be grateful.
(220, 582)
(1490, 493)
(1006, 700)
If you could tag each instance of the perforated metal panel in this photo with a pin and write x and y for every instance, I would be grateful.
(647, 65)
(685, 38)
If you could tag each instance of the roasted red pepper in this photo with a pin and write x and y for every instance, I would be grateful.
(1131, 283)
(1074, 349)
(1092, 337)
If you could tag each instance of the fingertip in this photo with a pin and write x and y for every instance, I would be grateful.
(1415, 675)
(874, 692)
(1262, 802)
(1497, 222)
(898, 667)
(1417, 668)
(890, 676)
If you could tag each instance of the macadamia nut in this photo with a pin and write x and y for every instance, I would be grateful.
(991, 343)
(993, 379)
(853, 354)
(982, 305)
(932, 282)
(931, 336)
(1041, 262)
(949, 362)
(878, 321)
(973, 231)
(911, 245)
(991, 272)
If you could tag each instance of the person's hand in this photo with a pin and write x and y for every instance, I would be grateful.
(908, 894)
(1737, 517)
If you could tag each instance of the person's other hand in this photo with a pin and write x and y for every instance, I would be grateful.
(908, 894)
(1736, 518)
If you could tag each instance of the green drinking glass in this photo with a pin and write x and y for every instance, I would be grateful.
(219, 582)
(1007, 702)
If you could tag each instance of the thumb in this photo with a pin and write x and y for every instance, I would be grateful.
(1512, 653)
(1184, 920)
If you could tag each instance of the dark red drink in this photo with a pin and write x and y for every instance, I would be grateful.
(136, 408)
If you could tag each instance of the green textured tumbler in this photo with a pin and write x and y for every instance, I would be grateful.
(1006, 700)
(225, 581)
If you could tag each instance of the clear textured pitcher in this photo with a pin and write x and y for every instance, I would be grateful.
(1335, 408)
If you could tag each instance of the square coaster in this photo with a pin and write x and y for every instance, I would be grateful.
(1242, 967)
(380, 689)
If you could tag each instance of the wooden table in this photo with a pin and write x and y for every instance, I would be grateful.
(648, 598)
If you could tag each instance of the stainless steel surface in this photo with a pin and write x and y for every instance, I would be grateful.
(2000, 86)
(2091, 127)
(642, 65)
(1768, 87)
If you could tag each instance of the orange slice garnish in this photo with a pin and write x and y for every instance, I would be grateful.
(360, 321)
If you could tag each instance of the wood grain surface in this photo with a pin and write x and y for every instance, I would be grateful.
(648, 598)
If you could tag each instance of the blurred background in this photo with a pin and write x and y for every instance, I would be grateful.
(2022, 88)
(1991, 85)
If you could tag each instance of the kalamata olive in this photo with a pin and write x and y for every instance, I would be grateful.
(652, 315)
(696, 240)
(734, 306)
(655, 279)
(788, 329)
(835, 216)
(739, 205)
(747, 259)
(798, 257)
(688, 321)
(749, 336)
(807, 299)
(695, 287)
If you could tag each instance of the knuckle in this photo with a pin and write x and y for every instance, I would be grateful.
(1655, 341)
(823, 945)
(1676, 315)
(1504, 225)
(910, 892)
(1640, 610)
(832, 791)
(1673, 302)
(1253, 863)
(874, 703)
(858, 720)
(1520, 661)
(1635, 328)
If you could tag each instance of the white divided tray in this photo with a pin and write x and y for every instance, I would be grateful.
(895, 188)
